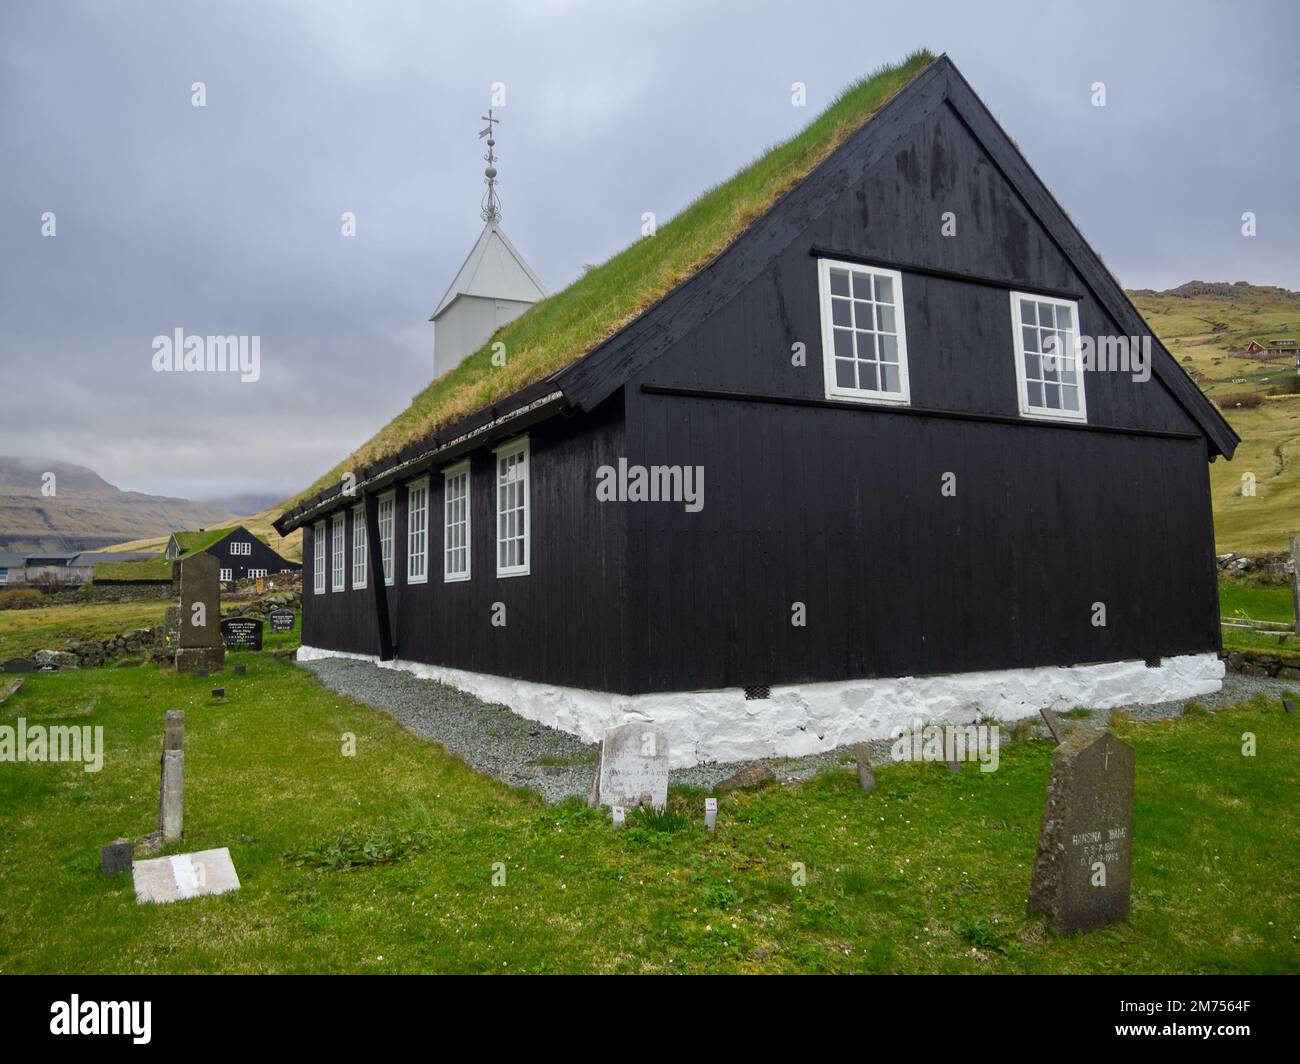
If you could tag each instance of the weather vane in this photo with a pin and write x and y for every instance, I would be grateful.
(491, 205)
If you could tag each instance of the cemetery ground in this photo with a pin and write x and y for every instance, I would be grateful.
(385, 861)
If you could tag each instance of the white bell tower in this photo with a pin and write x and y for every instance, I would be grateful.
(494, 286)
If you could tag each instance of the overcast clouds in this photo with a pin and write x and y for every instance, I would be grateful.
(225, 219)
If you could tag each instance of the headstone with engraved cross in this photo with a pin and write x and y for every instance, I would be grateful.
(200, 634)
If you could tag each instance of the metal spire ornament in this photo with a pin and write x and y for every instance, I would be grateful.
(491, 211)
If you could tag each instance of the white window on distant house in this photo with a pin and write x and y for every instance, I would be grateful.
(417, 531)
(318, 557)
(387, 512)
(255, 574)
(225, 575)
(512, 508)
(337, 529)
(864, 342)
(241, 548)
(4, 577)
(359, 556)
(1048, 375)
(455, 564)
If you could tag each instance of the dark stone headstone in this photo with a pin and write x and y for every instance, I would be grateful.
(1085, 847)
(282, 620)
(200, 635)
(218, 692)
(1054, 725)
(242, 633)
(115, 857)
(19, 665)
(1288, 705)
(241, 670)
(202, 674)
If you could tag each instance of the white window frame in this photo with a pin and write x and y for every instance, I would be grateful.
(450, 476)
(241, 548)
(422, 554)
(253, 574)
(1028, 409)
(225, 576)
(360, 548)
(318, 557)
(338, 551)
(502, 454)
(834, 390)
(388, 538)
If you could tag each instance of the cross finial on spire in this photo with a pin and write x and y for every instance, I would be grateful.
(491, 205)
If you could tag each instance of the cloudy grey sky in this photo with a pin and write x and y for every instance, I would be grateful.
(225, 219)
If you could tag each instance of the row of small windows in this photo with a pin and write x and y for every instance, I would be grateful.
(864, 343)
(512, 544)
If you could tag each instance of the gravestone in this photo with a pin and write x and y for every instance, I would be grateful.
(710, 813)
(1054, 725)
(282, 620)
(1083, 866)
(9, 688)
(184, 875)
(866, 774)
(171, 799)
(1288, 705)
(115, 857)
(200, 636)
(242, 633)
(241, 670)
(172, 626)
(633, 767)
(19, 665)
(1295, 580)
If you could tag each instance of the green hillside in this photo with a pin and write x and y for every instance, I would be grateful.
(1207, 327)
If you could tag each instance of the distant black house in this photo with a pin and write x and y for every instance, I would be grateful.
(241, 553)
(935, 514)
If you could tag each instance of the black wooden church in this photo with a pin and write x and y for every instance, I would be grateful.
(933, 513)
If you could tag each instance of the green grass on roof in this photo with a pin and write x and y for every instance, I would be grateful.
(193, 542)
(562, 328)
(155, 569)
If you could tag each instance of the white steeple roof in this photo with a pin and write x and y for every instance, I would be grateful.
(493, 270)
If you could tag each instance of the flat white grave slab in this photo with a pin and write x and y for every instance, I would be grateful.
(184, 875)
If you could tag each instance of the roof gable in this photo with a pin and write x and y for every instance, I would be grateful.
(799, 181)
(494, 269)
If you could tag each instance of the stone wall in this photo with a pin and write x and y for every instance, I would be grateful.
(1277, 664)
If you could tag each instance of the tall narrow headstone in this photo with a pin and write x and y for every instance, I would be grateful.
(1084, 862)
(1295, 581)
(171, 800)
(200, 632)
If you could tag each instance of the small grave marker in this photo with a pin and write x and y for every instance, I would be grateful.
(242, 633)
(710, 813)
(185, 875)
(218, 692)
(1083, 866)
(866, 774)
(1288, 705)
(282, 620)
(241, 670)
(9, 688)
(1054, 725)
(19, 665)
(115, 857)
(619, 815)
(633, 767)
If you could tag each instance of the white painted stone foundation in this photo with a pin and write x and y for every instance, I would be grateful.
(810, 718)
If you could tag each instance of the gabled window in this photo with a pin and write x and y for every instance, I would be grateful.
(1048, 375)
(318, 557)
(417, 531)
(241, 548)
(337, 552)
(360, 558)
(864, 342)
(455, 564)
(512, 508)
(387, 510)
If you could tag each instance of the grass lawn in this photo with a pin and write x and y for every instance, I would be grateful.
(23, 632)
(928, 873)
(1256, 602)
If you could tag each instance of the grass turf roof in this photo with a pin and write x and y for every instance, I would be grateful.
(193, 542)
(129, 572)
(563, 327)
